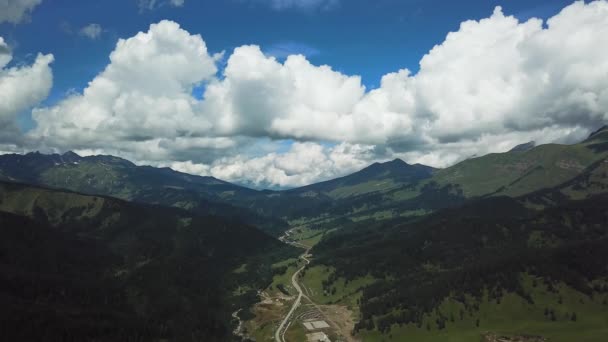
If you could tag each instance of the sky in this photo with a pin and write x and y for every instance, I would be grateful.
(284, 93)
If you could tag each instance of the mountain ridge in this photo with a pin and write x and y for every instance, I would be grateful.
(103, 262)
(395, 170)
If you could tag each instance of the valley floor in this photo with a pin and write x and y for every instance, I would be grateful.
(511, 319)
(288, 310)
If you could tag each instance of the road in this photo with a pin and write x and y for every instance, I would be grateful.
(279, 335)
(237, 330)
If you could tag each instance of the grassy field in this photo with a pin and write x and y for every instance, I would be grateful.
(269, 313)
(345, 293)
(363, 188)
(518, 173)
(296, 331)
(309, 237)
(265, 323)
(56, 205)
(513, 316)
(285, 278)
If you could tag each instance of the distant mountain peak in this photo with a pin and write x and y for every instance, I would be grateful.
(109, 159)
(70, 157)
(524, 147)
(600, 135)
(601, 130)
(70, 154)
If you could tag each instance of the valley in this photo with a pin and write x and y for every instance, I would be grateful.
(393, 252)
(304, 171)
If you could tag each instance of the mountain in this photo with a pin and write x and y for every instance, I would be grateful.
(355, 194)
(377, 177)
(491, 265)
(601, 135)
(524, 147)
(120, 178)
(517, 237)
(113, 176)
(78, 267)
(109, 175)
(511, 243)
(592, 181)
(396, 189)
(520, 172)
(380, 191)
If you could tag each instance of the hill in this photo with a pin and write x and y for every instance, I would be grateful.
(357, 193)
(523, 170)
(376, 177)
(517, 172)
(88, 268)
(380, 191)
(120, 178)
(460, 264)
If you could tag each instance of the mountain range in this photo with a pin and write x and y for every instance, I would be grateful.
(98, 248)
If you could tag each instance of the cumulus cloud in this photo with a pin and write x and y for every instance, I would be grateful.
(260, 96)
(16, 11)
(492, 78)
(5, 53)
(302, 164)
(492, 84)
(91, 31)
(21, 87)
(142, 97)
(498, 75)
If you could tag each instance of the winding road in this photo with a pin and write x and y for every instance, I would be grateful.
(279, 335)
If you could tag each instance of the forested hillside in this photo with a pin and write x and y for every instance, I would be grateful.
(79, 267)
(481, 251)
(117, 177)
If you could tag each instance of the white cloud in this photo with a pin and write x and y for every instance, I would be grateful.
(302, 4)
(261, 97)
(143, 96)
(92, 31)
(151, 5)
(21, 87)
(490, 85)
(302, 164)
(491, 78)
(16, 11)
(5, 53)
(498, 75)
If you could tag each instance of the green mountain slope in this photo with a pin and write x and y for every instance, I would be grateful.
(374, 178)
(376, 188)
(116, 177)
(88, 268)
(395, 189)
(525, 169)
(516, 173)
(380, 191)
(464, 262)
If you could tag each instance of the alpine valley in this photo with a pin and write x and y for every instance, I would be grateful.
(504, 247)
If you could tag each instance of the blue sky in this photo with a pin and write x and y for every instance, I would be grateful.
(480, 79)
(358, 37)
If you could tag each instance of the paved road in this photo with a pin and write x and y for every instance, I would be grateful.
(237, 330)
(279, 335)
